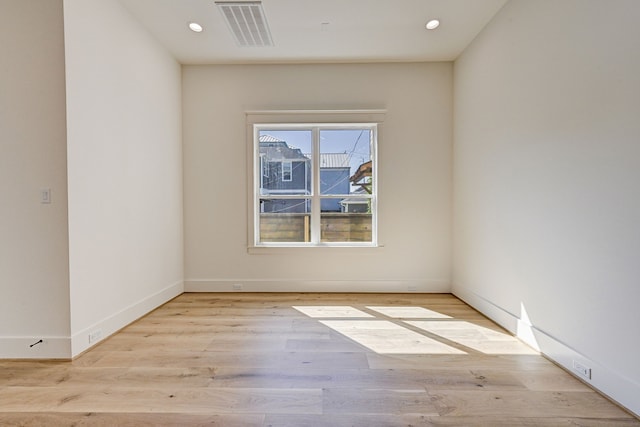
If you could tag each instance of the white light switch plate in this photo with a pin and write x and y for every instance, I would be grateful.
(45, 195)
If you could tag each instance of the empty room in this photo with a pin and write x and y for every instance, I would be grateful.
(320, 212)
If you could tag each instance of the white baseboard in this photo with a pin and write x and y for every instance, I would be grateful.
(51, 347)
(607, 381)
(253, 285)
(112, 324)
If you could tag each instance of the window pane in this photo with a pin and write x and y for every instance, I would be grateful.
(285, 220)
(345, 227)
(345, 161)
(284, 166)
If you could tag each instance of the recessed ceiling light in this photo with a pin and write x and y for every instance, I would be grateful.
(195, 27)
(433, 24)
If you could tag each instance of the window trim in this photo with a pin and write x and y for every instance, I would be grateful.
(306, 118)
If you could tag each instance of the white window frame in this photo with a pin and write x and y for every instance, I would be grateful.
(304, 119)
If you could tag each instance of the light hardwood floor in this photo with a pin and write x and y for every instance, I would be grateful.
(305, 360)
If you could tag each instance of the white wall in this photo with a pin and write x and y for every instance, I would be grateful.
(414, 176)
(546, 173)
(34, 274)
(124, 167)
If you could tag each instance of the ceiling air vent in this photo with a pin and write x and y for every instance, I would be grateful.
(247, 22)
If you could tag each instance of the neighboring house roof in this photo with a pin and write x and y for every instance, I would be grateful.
(269, 138)
(364, 170)
(333, 160)
(353, 200)
(276, 150)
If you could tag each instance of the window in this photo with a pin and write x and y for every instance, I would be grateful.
(314, 184)
(286, 171)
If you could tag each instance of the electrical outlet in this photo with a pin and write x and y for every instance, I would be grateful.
(95, 336)
(237, 286)
(412, 288)
(583, 370)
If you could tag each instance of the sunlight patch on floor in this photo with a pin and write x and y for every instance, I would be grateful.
(473, 336)
(324, 311)
(409, 313)
(385, 337)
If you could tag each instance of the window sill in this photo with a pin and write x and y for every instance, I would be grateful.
(286, 250)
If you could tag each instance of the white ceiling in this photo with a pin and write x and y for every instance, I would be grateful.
(358, 30)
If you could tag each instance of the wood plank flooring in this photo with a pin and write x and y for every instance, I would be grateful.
(304, 360)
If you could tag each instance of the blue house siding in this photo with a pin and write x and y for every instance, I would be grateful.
(334, 177)
(273, 182)
(333, 181)
(285, 206)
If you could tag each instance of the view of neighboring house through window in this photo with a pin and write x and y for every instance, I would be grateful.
(314, 185)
